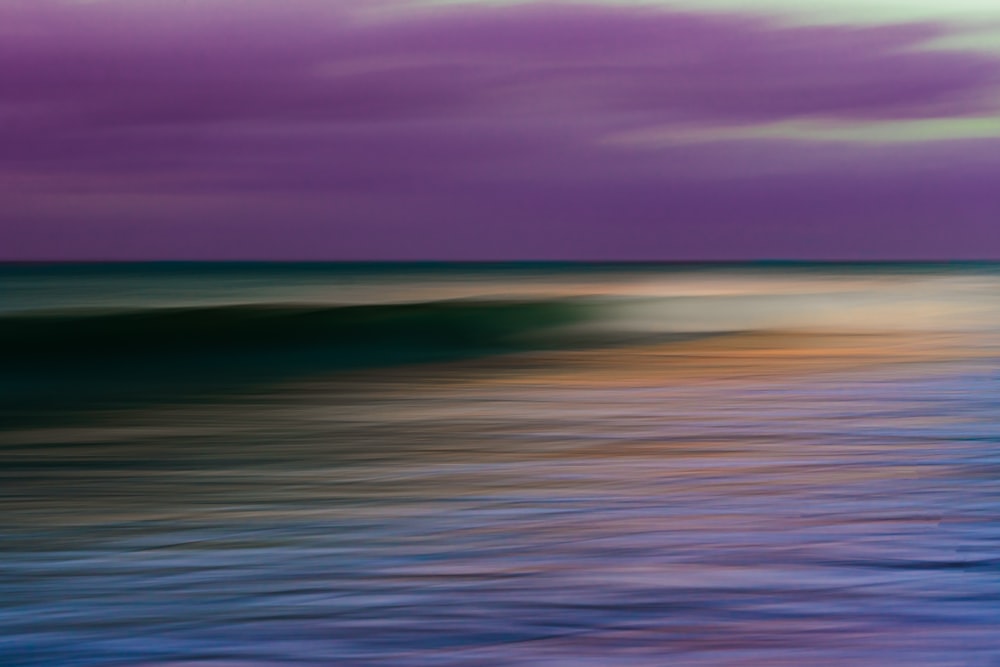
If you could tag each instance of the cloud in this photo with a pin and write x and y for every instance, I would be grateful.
(391, 129)
(124, 63)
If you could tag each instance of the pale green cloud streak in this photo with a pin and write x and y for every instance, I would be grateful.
(837, 11)
(975, 25)
(976, 22)
(854, 11)
(895, 131)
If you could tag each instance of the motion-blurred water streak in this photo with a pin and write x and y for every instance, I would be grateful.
(697, 465)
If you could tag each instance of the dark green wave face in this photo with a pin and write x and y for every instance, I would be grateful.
(88, 336)
(49, 357)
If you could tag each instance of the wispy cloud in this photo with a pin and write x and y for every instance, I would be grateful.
(397, 129)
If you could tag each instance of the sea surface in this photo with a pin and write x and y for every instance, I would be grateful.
(416, 465)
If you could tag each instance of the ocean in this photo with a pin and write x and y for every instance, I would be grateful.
(526, 464)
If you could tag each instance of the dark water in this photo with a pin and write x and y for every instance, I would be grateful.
(521, 465)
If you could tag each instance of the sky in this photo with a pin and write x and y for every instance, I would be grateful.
(478, 130)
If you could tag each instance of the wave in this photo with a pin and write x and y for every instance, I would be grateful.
(68, 356)
(80, 355)
(91, 336)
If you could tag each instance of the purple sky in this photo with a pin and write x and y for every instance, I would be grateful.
(311, 129)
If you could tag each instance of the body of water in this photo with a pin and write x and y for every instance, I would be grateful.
(443, 465)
